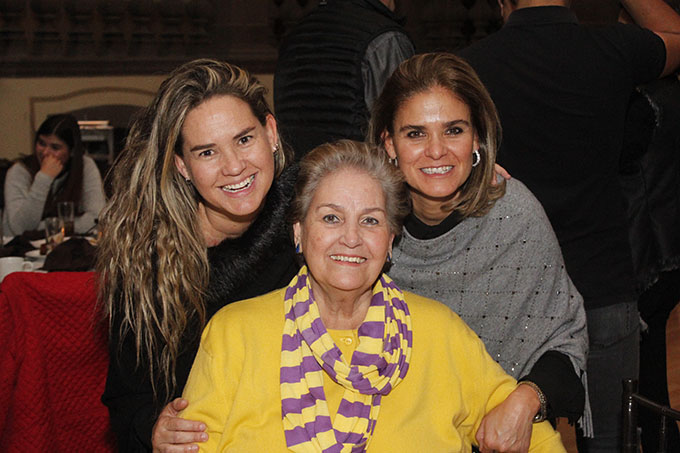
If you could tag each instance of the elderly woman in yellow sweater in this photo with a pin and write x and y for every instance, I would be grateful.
(342, 360)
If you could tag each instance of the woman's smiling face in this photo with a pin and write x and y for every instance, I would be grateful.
(228, 156)
(345, 236)
(433, 141)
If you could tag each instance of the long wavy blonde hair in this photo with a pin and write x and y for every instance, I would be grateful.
(152, 260)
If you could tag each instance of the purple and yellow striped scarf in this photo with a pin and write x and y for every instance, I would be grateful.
(378, 364)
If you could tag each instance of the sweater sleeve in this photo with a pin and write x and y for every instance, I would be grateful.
(483, 378)
(555, 376)
(209, 381)
(92, 199)
(128, 394)
(24, 199)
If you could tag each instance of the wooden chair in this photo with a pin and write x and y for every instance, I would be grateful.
(631, 400)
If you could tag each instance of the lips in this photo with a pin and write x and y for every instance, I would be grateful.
(437, 170)
(348, 259)
(232, 188)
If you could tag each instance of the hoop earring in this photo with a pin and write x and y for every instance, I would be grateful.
(394, 161)
(477, 159)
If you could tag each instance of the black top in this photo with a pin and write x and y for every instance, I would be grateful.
(562, 91)
(318, 83)
(553, 372)
(259, 261)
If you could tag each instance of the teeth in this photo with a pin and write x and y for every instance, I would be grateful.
(243, 184)
(437, 170)
(348, 259)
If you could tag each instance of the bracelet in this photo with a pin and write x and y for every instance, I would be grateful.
(543, 411)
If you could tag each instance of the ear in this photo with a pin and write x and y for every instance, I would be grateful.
(272, 131)
(475, 142)
(297, 234)
(389, 144)
(181, 167)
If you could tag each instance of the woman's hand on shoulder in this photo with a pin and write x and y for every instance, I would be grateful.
(499, 171)
(507, 428)
(173, 434)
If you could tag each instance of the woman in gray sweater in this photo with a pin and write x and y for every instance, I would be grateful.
(486, 250)
(56, 171)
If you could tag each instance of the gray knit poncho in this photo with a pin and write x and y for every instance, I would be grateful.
(504, 275)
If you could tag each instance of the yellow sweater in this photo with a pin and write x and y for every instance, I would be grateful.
(451, 383)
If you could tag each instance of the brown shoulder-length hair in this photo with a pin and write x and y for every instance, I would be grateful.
(423, 72)
(152, 259)
(65, 127)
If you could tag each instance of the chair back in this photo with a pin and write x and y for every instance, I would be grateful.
(631, 400)
(53, 364)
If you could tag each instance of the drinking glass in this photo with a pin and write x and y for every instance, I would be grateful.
(54, 231)
(66, 212)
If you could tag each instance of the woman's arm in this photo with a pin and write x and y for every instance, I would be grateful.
(555, 376)
(509, 425)
(486, 388)
(129, 393)
(25, 199)
(206, 387)
(659, 17)
(92, 199)
(129, 397)
(560, 345)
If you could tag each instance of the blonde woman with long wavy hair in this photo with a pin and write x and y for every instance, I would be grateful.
(196, 220)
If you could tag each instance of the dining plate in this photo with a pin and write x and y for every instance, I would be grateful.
(35, 254)
(37, 243)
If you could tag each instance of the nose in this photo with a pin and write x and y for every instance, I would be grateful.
(232, 163)
(434, 148)
(351, 235)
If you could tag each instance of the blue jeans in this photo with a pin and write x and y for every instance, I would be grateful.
(614, 334)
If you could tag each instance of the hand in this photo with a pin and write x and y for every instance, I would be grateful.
(507, 428)
(174, 434)
(51, 166)
(499, 171)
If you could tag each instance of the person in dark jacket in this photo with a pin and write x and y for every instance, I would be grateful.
(196, 221)
(332, 65)
(562, 89)
(649, 180)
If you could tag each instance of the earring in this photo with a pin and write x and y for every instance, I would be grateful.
(394, 161)
(389, 257)
(277, 147)
(188, 180)
(477, 159)
(298, 249)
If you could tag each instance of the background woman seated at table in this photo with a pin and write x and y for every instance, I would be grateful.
(487, 251)
(196, 220)
(342, 359)
(56, 171)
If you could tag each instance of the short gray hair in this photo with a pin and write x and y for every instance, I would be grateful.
(329, 158)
